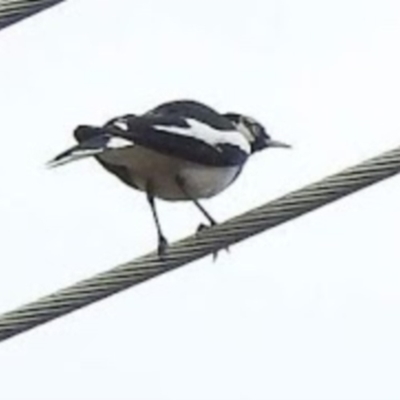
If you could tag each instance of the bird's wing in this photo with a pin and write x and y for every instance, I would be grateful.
(192, 109)
(187, 138)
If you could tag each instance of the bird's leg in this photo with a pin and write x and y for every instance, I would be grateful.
(162, 242)
(181, 183)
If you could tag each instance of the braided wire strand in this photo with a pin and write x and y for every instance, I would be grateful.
(207, 242)
(12, 11)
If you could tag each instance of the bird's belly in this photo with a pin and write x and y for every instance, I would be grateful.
(206, 181)
(147, 168)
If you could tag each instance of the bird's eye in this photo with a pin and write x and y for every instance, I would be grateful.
(256, 129)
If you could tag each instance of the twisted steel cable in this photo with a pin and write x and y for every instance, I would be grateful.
(206, 242)
(12, 11)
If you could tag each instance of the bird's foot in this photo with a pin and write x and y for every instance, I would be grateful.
(203, 227)
(162, 246)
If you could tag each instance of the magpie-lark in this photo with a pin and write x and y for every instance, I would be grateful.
(180, 150)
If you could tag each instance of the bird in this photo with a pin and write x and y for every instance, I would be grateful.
(181, 150)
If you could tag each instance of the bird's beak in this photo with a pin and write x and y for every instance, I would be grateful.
(275, 143)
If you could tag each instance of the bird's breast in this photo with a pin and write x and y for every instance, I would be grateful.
(145, 168)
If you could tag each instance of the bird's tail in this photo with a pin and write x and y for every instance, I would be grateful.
(73, 154)
(92, 141)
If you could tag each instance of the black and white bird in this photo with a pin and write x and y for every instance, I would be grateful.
(180, 150)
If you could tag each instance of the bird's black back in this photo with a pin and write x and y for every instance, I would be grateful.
(142, 130)
(195, 110)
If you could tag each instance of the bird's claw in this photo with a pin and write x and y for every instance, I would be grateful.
(202, 227)
(162, 246)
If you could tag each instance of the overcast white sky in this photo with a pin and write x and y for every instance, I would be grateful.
(310, 310)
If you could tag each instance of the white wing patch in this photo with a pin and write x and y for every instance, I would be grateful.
(121, 124)
(209, 135)
(118, 143)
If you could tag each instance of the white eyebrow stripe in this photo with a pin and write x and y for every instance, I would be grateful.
(207, 134)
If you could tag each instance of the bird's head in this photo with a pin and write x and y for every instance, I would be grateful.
(254, 132)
